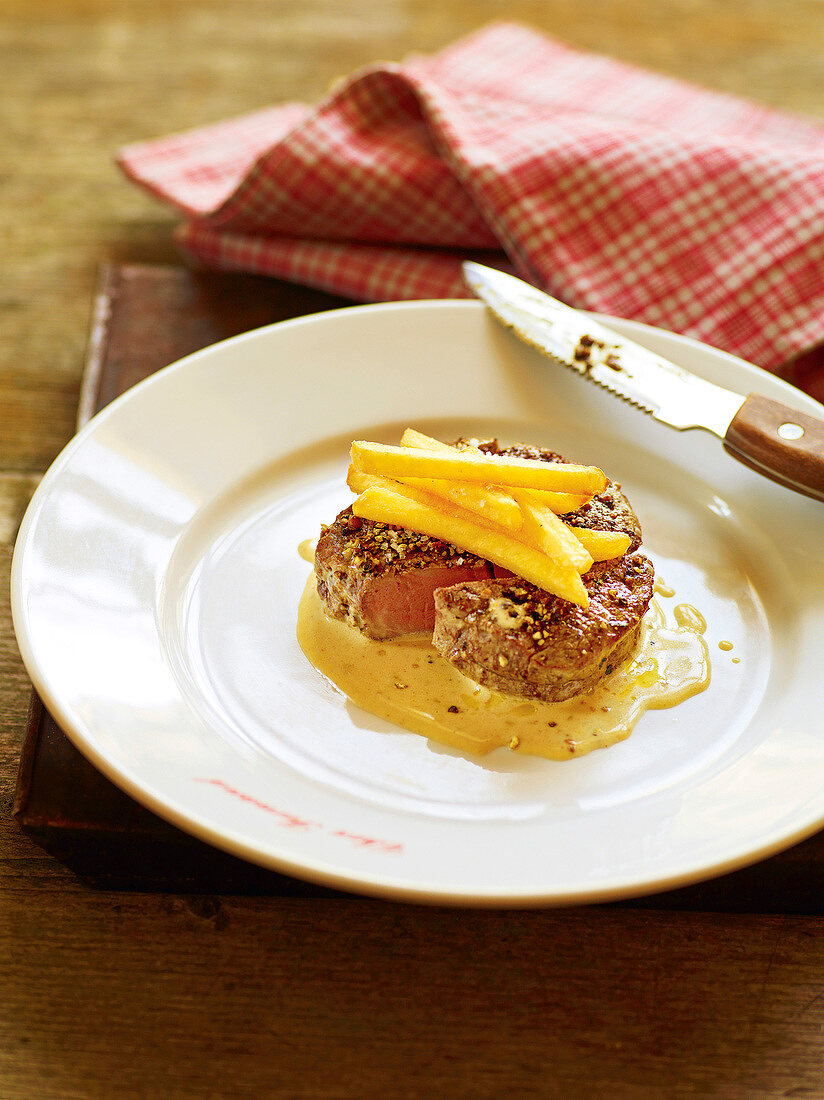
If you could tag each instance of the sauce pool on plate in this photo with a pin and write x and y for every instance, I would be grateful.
(406, 681)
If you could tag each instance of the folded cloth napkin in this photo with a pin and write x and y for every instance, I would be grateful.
(614, 189)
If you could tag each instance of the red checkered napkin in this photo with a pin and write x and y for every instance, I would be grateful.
(614, 189)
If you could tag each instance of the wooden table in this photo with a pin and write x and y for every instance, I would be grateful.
(125, 994)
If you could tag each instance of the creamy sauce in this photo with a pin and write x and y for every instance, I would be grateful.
(306, 549)
(662, 589)
(407, 682)
(690, 618)
(726, 646)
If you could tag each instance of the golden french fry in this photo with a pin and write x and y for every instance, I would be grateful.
(411, 438)
(389, 506)
(562, 503)
(547, 532)
(490, 503)
(378, 458)
(359, 482)
(414, 439)
(602, 545)
(496, 509)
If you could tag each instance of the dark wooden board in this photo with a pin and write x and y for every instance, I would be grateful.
(145, 318)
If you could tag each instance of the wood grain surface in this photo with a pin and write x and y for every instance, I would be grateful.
(108, 994)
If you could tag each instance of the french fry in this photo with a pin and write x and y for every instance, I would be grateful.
(548, 533)
(417, 440)
(389, 506)
(496, 508)
(359, 482)
(560, 503)
(378, 458)
(421, 442)
(487, 501)
(602, 545)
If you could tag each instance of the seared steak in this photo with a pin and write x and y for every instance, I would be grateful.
(515, 638)
(381, 578)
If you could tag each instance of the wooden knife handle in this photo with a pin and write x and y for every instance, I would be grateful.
(782, 443)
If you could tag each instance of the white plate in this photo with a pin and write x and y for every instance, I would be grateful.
(157, 575)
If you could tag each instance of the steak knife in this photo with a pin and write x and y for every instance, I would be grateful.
(782, 443)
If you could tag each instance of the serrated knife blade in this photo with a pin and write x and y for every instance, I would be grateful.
(781, 443)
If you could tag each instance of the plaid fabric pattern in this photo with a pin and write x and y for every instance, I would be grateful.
(614, 189)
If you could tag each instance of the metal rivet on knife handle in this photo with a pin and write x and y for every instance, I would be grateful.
(783, 443)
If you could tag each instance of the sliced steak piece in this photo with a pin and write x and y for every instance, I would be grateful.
(518, 639)
(381, 578)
